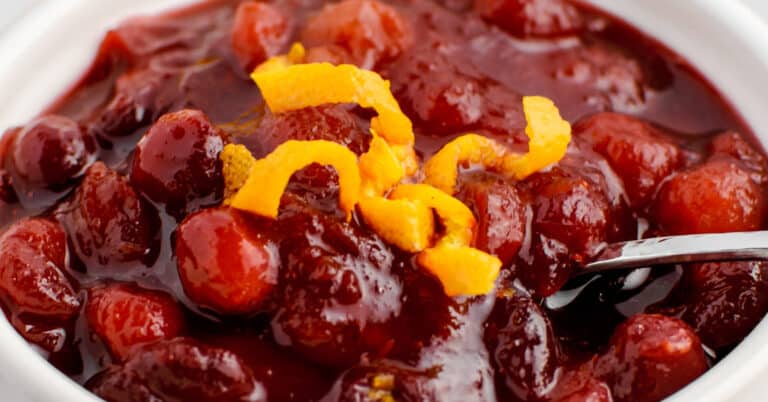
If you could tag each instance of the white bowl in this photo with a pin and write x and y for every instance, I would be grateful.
(46, 53)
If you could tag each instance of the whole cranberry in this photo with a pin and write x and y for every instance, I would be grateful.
(532, 18)
(500, 211)
(717, 196)
(571, 219)
(338, 296)
(384, 381)
(7, 193)
(580, 385)
(523, 348)
(638, 152)
(725, 301)
(177, 163)
(109, 223)
(225, 263)
(32, 263)
(48, 154)
(733, 144)
(124, 316)
(331, 122)
(260, 31)
(650, 357)
(178, 370)
(371, 31)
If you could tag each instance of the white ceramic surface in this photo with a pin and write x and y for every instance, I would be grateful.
(44, 53)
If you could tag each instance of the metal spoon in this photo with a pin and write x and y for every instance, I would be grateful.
(680, 249)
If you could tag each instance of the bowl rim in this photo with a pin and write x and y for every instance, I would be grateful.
(737, 373)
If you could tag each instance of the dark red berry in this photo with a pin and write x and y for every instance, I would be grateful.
(109, 224)
(177, 163)
(47, 155)
(260, 31)
(32, 263)
(650, 357)
(733, 144)
(7, 193)
(124, 316)
(179, 370)
(225, 263)
(532, 18)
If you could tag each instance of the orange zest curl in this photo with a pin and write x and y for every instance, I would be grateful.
(408, 225)
(292, 87)
(441, 170)
(269, 176)
(463, 271)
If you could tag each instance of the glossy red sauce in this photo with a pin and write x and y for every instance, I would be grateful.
(119, 266)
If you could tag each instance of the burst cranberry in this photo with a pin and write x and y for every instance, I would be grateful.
(338, 296)
(140, 98)
(580, 385)
(724, 301)
(124, 316)
(177, 163)
(500, 212)
(108, 222)
(532, 18)
(523, 348)
(381, 382)
(224, 263)
(732, 144)
(718, 196)
(32, 262)
(48, 154)
(7, 193)
(650, 357)
(571, 219)
(176, 371)
(638, 152)
(260, 30)
(331, 123)
(371, 31)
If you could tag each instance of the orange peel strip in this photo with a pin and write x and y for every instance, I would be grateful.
(409, 225)
(269, 176)
(380, 168)
(463, 271)
(293, 87)
(441, 170)
(237, 162)
(297, 54)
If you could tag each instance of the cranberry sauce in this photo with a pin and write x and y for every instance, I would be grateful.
(120, 265)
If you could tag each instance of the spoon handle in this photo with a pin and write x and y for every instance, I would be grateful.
(680, 249)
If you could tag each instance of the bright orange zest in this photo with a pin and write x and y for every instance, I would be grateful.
(269, 176)
(409, 225)
(237, 163)
(442, 169)
(463, 271)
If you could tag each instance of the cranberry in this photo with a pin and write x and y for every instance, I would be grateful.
(500, 211)
(179, 370)
(177, 163)
(731, 143)
(718, 196)
(571, 220)
(140, 98)
(650, 357)
(48, 154)
(724, 301)
(260, 30)
(371, 31)
(108, 222)
(532, 18)
(380, 382)
(638, 152)
(523, 347)
(332, 123)
(7, 193)
(32, 262)
(225, 264)
(580, 385)
(124, 316)
(338, 296)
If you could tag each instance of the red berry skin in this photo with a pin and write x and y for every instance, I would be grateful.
(532, 18)
(124, 316)
(224, 264)
(32, 262)
(370, 31)
(46, 156)
(734, 145)
(178, 370)
(108, 222)
(260, 31)
(650, 357)
(177, 163)
(7, 193)
(715, 197)
(638, 152)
